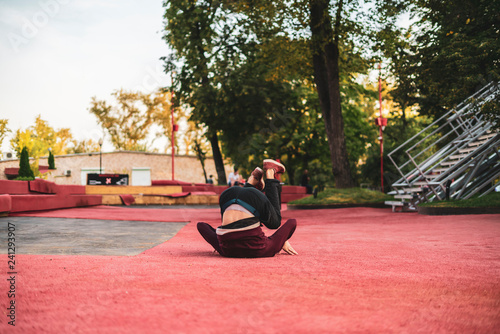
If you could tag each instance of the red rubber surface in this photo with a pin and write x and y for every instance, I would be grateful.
(358, 271)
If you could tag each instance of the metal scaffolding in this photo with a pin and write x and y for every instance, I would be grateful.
(455, 157)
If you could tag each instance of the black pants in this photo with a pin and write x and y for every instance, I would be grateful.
(268, 205)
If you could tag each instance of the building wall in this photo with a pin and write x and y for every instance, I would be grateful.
(186, 168)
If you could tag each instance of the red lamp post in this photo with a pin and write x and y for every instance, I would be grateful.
(175, 127)
(381, 123)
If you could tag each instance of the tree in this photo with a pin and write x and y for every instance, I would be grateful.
(281, 27)
(325, 45)
(201, 154)
(63, 140)
(395, 47)
(128, 121)
(238, 61)
(25, 171)
(189, 31)
(3, 130)
(297, 137)
(454, 52)
(218, 76)
(83, 146)
(330, 57)
(162, 117)
(38, 138)
(224, 76)
(396, 133)
(491, 111)
(52, 164)
(195, 141)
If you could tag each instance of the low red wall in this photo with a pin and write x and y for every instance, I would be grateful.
(38, 186)
(5, 203)
(288, 193)
(293, 190)
(22, 203)
(71, 189)
(14, 187)
(37, 195)
(202, 188)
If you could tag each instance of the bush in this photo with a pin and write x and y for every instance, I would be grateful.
(52, 164)
(24, 166)
(23, 178)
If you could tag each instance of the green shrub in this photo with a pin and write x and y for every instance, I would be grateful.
(23, 178)
(344, 196)
(52, 164)
(24, 166)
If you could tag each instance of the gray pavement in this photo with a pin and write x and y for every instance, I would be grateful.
(68, 236)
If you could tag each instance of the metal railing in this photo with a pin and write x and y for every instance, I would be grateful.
(440, 144)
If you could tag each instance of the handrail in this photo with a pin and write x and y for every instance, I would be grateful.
(466, 125)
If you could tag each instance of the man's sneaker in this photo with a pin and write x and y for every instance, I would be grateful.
(272, 164)
(258, 174)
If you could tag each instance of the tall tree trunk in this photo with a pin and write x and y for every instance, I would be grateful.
(214, 140)
(219, 163)
(326, 76)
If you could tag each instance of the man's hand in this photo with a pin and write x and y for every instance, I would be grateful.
(288, 249)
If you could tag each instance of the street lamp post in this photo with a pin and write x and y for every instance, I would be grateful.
(174, 126)
(100, 155)
(381, 123)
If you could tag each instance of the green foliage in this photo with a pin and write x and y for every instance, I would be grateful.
(396, 133)
(245, 69)
(344, 196)
(360, 130)
(201, 154)
(453, 51)
(83, 146)
(224, 76)
(24, 178)
(3, 130)
(289, 133)
(39, 137)
(491, 200)
(491, 111)
(24, 165)
(52, 164)
(297, 135)
(130, 119)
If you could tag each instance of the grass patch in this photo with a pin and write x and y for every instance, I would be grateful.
(491, 200)
(24, 178)
(344, 196)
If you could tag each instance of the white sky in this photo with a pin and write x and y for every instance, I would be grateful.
(56, 54)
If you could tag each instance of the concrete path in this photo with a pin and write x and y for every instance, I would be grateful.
(69, 236)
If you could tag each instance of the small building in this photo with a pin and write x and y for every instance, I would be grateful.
(142, 167)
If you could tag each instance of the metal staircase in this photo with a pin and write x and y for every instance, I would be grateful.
(455, 157)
